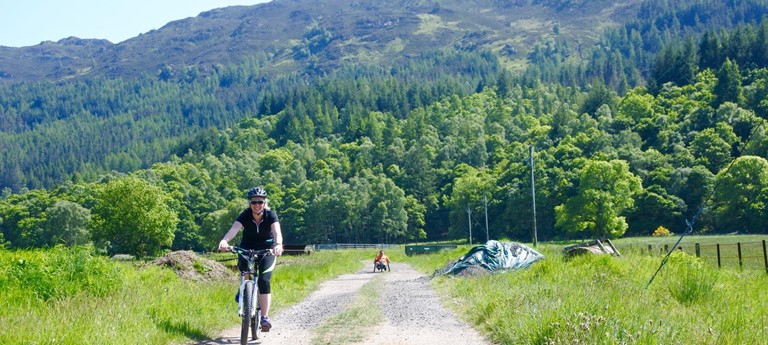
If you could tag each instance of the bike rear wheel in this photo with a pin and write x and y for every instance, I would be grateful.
(248, 306)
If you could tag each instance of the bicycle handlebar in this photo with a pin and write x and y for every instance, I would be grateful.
(243, 251)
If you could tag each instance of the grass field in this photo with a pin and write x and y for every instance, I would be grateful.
(63, 296)
(752, 252)
(607, 300)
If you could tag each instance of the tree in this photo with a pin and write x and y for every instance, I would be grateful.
(605, 190)
(68, 223)
(693, 185)
(728, 87)
(24, 219)
(415, 211)
(654, 208)
(469, 187)
(712, 146)
(740, 199)
(598, 95)
(710, 49)
(134, 217)
(635, 107)
(216, 223)
(387, 209)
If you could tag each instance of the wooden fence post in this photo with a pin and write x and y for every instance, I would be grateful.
(741, 262)
(698, 250)
(719, 265)
(765, 257)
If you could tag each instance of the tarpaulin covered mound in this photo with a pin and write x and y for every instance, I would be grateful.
(491, 257)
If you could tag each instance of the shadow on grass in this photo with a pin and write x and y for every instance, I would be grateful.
(182, 328)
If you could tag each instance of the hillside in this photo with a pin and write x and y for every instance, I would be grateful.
(319, 36)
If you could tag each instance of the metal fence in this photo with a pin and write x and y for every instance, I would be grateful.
(742, 255)
(335, 246)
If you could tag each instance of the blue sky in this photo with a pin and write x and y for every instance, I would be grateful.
(29, 22)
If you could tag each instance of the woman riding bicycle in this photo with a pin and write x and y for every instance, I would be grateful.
(261, 231)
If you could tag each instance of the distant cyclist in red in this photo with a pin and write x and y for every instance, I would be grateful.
(381, 259)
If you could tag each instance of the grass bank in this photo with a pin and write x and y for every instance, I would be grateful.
(64, 296)
(604, 300)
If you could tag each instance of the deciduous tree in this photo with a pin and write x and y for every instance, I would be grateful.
(740, 199)
(605, 190)
(134, 217)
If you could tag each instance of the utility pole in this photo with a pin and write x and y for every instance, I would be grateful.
(485, 203)
(469, 218)
(533, 199)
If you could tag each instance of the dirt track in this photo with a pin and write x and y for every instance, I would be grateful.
(412, 313)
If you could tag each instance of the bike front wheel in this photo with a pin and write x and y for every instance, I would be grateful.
(248, 312)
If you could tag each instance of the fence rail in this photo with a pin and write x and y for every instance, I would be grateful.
(750, 255)
(334, 246)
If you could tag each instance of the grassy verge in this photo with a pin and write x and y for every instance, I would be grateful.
(67, 296)
(604, 300)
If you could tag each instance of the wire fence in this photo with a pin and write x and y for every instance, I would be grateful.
(741, 255)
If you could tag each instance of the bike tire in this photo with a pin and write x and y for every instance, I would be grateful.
(248, 306)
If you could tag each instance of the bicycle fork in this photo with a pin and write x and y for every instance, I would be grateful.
(254, 297)
(242, 293)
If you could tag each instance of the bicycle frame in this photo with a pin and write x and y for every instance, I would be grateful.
(248, 277)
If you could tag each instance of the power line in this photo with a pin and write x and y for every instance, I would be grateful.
(690, 223)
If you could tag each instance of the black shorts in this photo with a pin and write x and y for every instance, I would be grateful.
(266, 266)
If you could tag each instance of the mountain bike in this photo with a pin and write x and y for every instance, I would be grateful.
(248, 303)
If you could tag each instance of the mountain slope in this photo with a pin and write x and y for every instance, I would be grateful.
(318, 36)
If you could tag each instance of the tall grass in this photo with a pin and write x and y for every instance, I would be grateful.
(70, 296)
(604, 300)
(65, 296)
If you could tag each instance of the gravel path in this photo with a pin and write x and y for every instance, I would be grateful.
(412, 313)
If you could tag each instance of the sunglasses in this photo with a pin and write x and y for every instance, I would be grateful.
(257, 202)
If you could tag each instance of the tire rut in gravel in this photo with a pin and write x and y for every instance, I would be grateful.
(412, 313)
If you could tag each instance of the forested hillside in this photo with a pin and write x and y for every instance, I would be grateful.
(624, 57)
(374, 154)
(50, 132)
